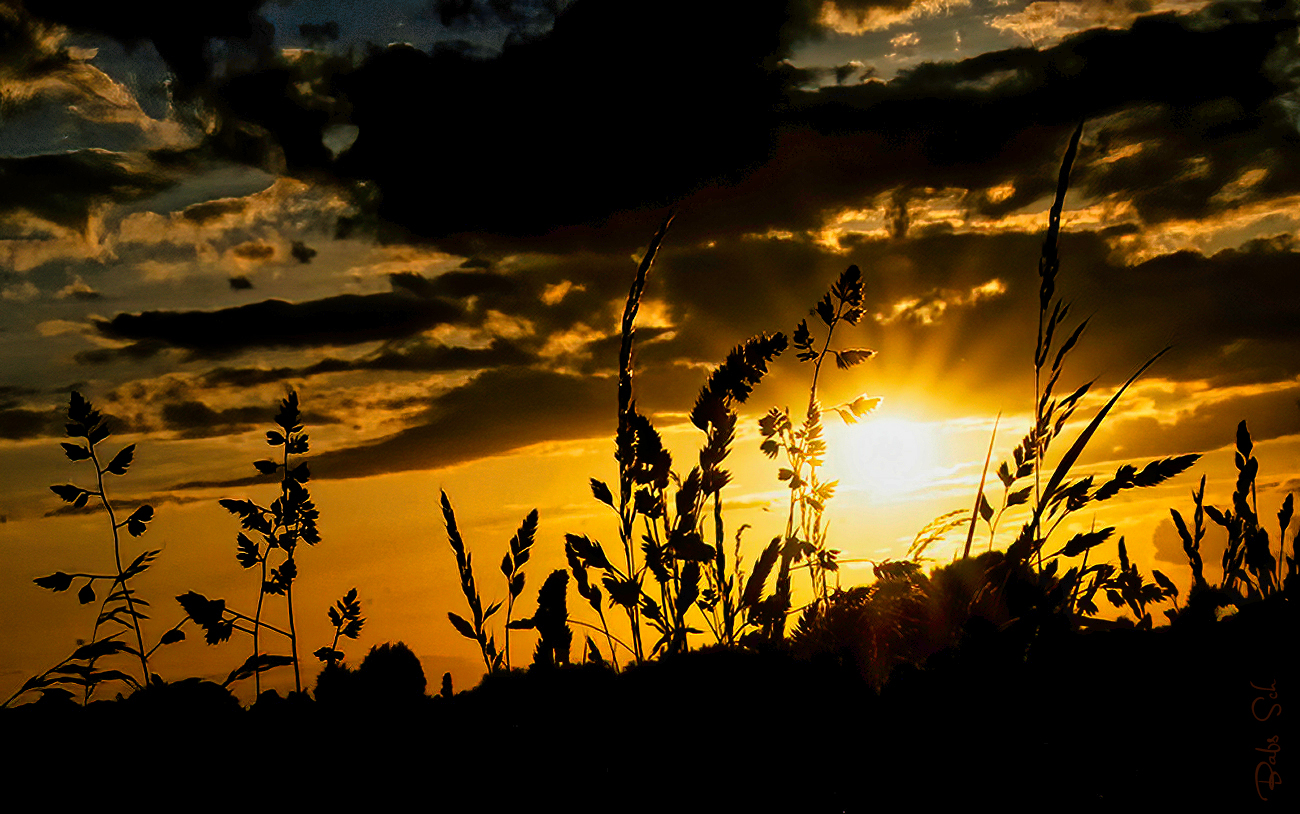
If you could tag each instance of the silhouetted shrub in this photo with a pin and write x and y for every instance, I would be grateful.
(391, 672)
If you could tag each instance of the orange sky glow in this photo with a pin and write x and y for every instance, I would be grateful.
(182, 242)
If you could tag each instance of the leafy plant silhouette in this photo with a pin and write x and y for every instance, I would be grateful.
(804, 539)
(550, 621)
(120, 608)
(289, 520)
(346, 617)
(1063, 494)
(687, 571)
(511, 566)
(1250, 571)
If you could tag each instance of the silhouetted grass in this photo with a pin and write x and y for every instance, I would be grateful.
(990, 672)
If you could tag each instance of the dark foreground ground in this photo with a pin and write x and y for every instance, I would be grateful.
(1119, 720)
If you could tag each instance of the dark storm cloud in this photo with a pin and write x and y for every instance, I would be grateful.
(194, 419)
(456, 283)
(66, 188)
(412, 356)
(246, 376)
(18, 423)
(10, 395)
(433, 357)
(498, 411)
(181, 39)
(974, 123)
(618, 106)
(341, 320)
(627, 107)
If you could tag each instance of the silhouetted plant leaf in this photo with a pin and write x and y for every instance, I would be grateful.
(205, 612)
(1244, 445)
(87, 593)
(100, 649)
(624, 592)
(588, 551)
(266, 467)
(258, 663)
(274, 439)
(58, 581)
(762, 568)
(70, 494)
(172, 636)
(601, 492)
(121, 461)
(75, 452)
(845, 359)
(464, 628)
(97, 434)
(520, 624)
(135, 524)
(288, 416)
(1166, 584)
(248, 552)
(826, 310)
(328, 654)
(1080, 543)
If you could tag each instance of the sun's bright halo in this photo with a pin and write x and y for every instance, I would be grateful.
(882, 456)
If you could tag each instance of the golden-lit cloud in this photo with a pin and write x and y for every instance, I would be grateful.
(23, 291)
(571, 342)
(930, 308)
(1047, 21)
(860, 16)
(554, 293)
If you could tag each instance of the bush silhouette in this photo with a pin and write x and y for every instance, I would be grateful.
(391, 672)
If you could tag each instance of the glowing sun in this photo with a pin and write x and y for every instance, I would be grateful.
(883, 456)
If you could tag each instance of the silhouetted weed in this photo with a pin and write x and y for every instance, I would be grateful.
(346, 617)
(1062, 495)
(1250, 571)
(120, 607)
(804, 539)
(511, 567)
(674, 551)
(290, 519)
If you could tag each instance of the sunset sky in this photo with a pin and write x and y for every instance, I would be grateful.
(424, 216)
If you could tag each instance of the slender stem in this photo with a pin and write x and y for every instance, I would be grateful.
(291, 541)
(117, 556)
(979, 493)
(266, 625)
(293, 640)
(257, 626)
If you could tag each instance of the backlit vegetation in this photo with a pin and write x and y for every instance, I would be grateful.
(674, 579)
